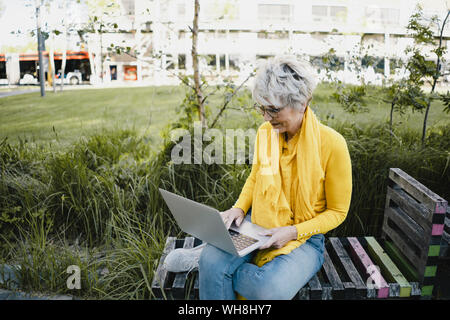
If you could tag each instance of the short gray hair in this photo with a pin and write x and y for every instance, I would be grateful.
(284, 81)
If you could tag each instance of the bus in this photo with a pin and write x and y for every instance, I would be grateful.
(23, 68)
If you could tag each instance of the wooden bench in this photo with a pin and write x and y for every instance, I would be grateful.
(401, 264)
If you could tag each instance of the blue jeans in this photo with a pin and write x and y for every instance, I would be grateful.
(221, 274)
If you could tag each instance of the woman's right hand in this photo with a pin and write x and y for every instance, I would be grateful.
(235, 215)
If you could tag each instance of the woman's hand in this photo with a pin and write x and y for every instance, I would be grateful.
(235, 215)
(280, 236)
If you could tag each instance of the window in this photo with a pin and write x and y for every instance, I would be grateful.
(332, 62)
(382, 15)
(222, 61)
(376, 62)
(3, 70)
(395, 63)
(170, 65)
(182, 61)
(274, 12)
(211, 60)
(329, 13)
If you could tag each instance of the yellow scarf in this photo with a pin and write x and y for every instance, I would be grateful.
(268, 197)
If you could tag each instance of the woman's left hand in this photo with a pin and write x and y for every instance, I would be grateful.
(279, 236)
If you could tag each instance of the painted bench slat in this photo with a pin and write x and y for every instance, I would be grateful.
(383, 260)
(404, 246)
(366, 265)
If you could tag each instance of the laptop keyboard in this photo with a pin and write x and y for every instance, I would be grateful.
(241, 241)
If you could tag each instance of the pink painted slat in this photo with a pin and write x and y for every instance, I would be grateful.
(371, 269)
(437, 229)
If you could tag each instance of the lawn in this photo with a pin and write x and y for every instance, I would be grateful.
(67, 116)
(62, 118)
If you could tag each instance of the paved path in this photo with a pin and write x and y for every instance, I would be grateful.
(14, 93)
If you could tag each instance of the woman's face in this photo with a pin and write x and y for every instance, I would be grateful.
(286, 120)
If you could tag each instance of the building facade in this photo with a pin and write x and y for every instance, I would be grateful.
(235, 34)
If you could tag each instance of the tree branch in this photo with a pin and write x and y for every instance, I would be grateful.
(228, 100)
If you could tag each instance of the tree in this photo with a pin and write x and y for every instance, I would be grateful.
(422, 69)
(197, 87)
(101, 20)
(41, 46)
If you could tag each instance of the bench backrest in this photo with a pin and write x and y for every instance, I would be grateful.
(414, 223)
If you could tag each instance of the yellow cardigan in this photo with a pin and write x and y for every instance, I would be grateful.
(329, 204)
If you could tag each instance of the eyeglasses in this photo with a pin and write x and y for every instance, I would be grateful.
(272, 112)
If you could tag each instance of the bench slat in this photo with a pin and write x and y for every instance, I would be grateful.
(350, 269)
(424, 195)
(303, 294)
(333, 277)
(411, 229)
(409, 205)
(315, 289)
(404, 266)
(403, 244)
(390, 269)
(366, 265)
(445, 251)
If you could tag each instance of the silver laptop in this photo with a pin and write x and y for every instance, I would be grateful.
(206, 224)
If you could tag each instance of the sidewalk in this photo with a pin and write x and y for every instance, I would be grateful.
(15, 93)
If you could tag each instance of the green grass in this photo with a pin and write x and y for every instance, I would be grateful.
(62, 118)
(65, 117)
(325, 106)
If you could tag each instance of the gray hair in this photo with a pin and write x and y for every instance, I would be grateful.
(284, 81)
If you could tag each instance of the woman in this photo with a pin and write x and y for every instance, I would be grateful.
(299, 188)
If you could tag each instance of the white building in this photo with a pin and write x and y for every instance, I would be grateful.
(234, 34)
